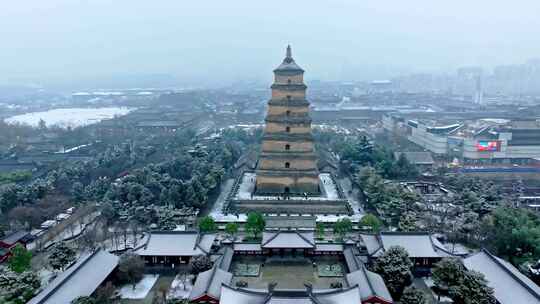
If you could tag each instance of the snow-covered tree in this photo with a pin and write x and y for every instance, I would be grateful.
(413, 295)
(61, 256)
(395, 266)
(130, 269)
(200, 263)
(18, 288)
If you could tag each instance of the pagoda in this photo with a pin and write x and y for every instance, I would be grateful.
(287, 162)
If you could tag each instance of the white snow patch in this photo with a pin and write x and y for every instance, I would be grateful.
(178, 290)
(141, 289)
(72, 117)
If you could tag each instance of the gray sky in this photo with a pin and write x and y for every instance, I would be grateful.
(219, 41)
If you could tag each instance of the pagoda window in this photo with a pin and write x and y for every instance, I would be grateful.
(287, 147)
(287, 129)
(288, 113)
(288, 97)
(287, 165)
(288, 81)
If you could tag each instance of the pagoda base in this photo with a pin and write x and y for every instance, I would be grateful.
(330, 199)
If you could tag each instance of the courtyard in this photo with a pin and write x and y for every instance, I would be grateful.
(291, 273)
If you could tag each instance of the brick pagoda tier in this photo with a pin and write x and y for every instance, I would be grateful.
(287, 163)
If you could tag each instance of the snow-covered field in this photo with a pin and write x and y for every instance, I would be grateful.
(141, 289)
(72, 117)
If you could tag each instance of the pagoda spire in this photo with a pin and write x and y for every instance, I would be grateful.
(289, 52)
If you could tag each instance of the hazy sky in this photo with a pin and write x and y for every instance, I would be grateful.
(222, 40)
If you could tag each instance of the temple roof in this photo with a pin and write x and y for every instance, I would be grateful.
(288, 64)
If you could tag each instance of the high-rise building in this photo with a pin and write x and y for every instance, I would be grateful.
(287, 162)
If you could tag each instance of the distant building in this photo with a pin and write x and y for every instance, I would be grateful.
(423, 160)
(434, 138)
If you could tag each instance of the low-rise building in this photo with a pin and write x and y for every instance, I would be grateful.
(175, 247)
(8, 242)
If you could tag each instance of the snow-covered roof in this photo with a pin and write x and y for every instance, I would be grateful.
(288, 239)
(209, 283)
(369, 283)
(417, 244)
(247, 247)
(231, 295)
(79, 280)
(509, 285)
(13, 238)
(177, 243)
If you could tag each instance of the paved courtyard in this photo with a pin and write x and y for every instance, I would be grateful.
(291, 274)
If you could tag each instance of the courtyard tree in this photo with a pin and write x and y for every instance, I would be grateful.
(407, 222)
(130, 269)
(61, 256)
(207, 224)
(395, 267)
(20, 259)
(319, 228)
(231, 229)
(448, 272)
(371, 221)
(413, 295)
(200, 263)
(342, 227)
(255, 224)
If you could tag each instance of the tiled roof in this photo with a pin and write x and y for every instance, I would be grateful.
(288, 239)
(81, 279)
(509, 285)
(177, 243)
(417, 244)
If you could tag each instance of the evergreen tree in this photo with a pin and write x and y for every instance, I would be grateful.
(370, 220)
(231, 229)
(207, 224)
(20, 259)
(255, 223)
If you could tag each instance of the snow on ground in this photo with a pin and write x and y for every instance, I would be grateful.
(177, 289)
(72, 117)
(247, 186)
(141, 289)
(330, 188)
(222, 198)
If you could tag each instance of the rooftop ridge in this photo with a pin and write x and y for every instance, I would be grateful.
(307, 241)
